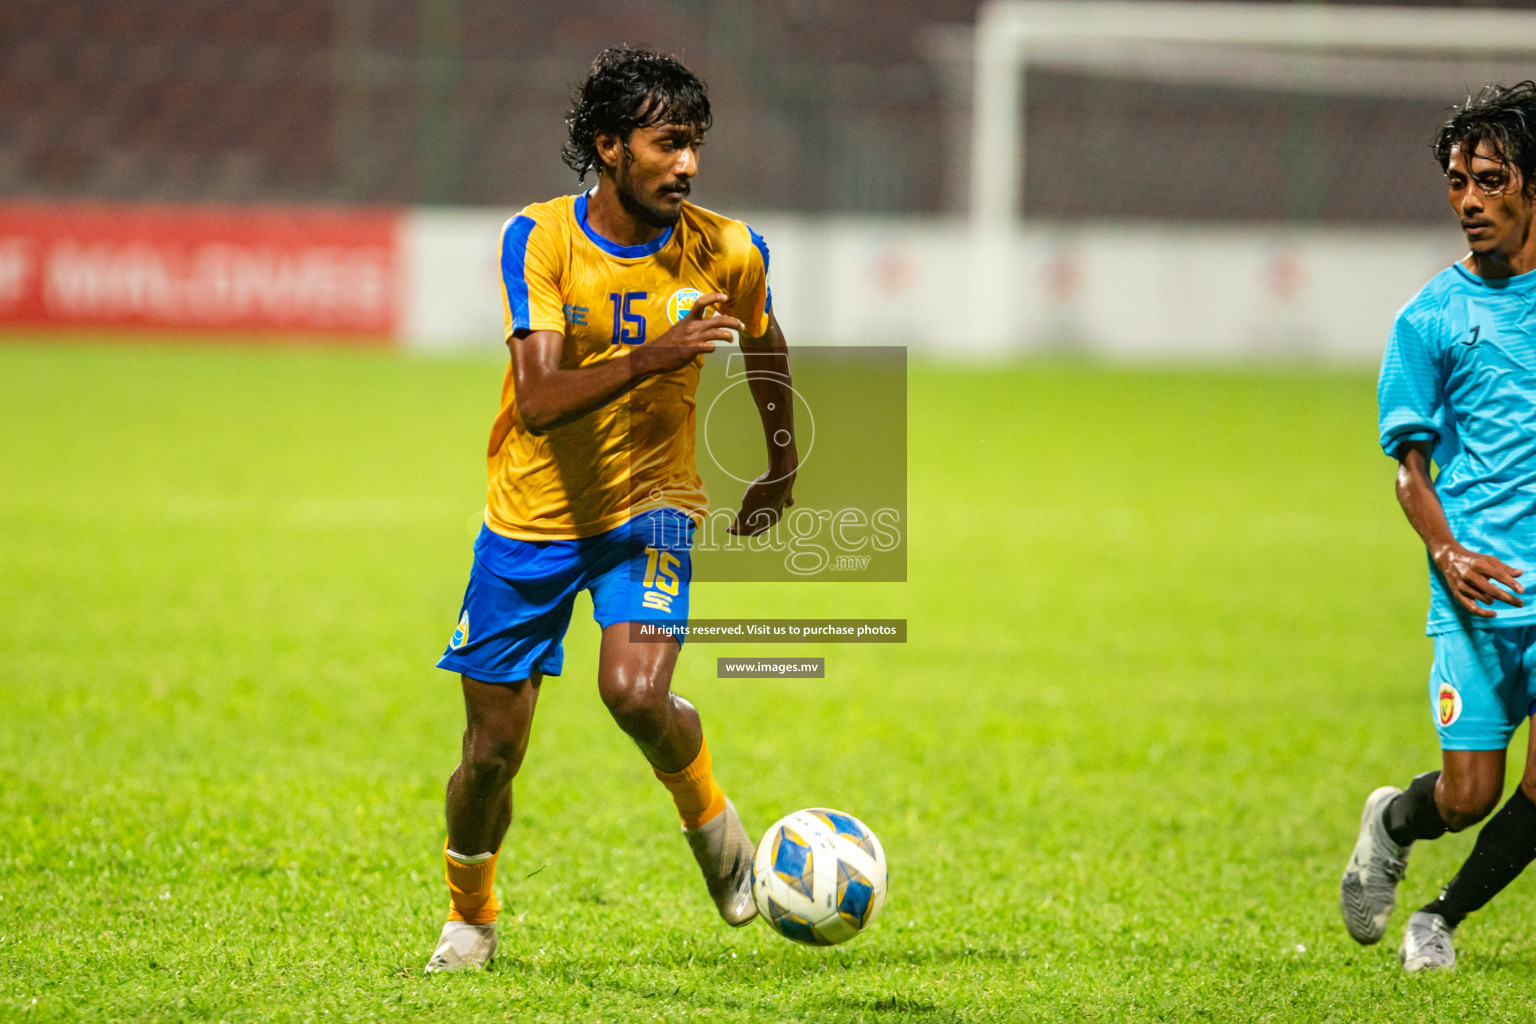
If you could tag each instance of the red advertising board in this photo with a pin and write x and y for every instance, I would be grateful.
(206, 269)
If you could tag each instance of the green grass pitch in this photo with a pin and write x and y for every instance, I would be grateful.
(1165, 636)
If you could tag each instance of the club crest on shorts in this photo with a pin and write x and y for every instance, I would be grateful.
(680, 303)
(461, 635)
(1447, 704)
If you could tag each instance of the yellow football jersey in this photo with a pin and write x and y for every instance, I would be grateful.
(637, 452)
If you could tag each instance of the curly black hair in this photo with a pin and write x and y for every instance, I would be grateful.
(630, 88)
(1503, 116)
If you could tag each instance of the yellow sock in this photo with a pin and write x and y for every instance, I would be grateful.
(471, 887)
(694, 791)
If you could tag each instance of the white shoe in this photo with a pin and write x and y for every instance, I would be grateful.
(724, 852)
(1369, 889)
(1427, 944)
(463, 947)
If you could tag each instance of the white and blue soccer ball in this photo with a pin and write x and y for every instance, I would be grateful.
(819, 876)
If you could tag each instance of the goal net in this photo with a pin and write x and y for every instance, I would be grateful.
(1178, 111)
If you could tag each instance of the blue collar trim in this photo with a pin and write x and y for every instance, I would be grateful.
(1518, 283)
(627, 252)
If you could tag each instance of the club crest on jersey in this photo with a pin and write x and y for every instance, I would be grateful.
(1448, 704)
(680, 303)
(461, 635)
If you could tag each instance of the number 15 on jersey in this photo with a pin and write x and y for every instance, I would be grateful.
(628, 325)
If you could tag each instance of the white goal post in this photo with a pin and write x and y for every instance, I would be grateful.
(1310, 47)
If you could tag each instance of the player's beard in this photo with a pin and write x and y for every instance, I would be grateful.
(646, 213)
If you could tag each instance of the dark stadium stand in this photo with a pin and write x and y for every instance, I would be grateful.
(352, 101)
(822, 106)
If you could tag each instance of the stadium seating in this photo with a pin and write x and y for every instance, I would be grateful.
(821, 106)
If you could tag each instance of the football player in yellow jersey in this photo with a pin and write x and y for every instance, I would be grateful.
(612, 300)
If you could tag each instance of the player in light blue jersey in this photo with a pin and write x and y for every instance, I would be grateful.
(1458, 389)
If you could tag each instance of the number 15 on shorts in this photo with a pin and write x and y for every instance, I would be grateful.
(660, 579)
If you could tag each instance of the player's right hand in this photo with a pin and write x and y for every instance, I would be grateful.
(692, 336)
(1472, 578)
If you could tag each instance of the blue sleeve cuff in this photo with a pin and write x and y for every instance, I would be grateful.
(762, 248)
(1393, 443)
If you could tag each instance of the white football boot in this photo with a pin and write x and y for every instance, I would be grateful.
(463, 947)
(1427, 944)
(724, 852)
(1369, 889)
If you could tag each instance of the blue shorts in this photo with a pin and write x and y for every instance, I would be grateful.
(1482, 686)
(518, 603)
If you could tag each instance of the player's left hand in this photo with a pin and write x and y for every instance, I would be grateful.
(764, 502)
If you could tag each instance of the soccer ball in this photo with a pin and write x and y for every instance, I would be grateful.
(818, 877)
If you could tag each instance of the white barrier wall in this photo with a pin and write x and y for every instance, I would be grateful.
(452, 279)
(1117, 291)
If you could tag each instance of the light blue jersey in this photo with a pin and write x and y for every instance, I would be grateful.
(1460, 370)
